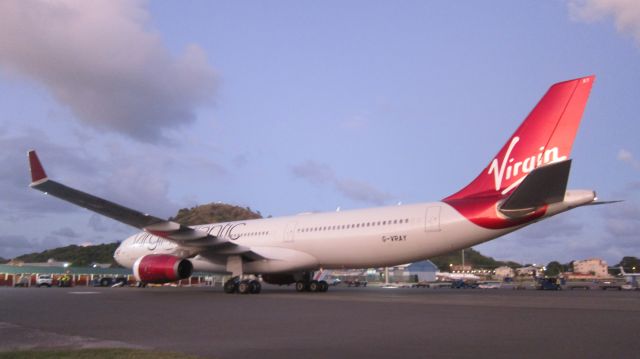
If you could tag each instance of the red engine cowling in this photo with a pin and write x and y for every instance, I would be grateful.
(279, 279)
(161, 268)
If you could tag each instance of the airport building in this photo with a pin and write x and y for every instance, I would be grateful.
(425, 271)
(504, 272)
(529, 271)
(592, 266)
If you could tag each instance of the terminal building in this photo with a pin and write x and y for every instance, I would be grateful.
(504, 272)
(593, 267)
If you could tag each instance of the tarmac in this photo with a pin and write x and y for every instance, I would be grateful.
(342, 323)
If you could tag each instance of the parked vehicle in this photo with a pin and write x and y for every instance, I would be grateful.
(579, 285)
(610, 284)
(44, 280)
(548, 284)
(23, 281)
(460, 284)
(490, 285)
(356, 283)
(420, 285)
(108, 281)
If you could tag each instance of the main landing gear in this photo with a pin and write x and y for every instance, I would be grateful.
(312, 286)
(245, 286)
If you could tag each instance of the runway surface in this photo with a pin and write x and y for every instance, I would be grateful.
(343, 323)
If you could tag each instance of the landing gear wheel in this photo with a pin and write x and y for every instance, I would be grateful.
(324, 286)
(231, 286)
(255, 287)
(244, 287)
(314, 286)
(301, 286)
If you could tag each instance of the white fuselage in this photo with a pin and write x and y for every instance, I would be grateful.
(348, 239)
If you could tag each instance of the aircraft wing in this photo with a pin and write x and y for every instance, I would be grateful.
(172, 231)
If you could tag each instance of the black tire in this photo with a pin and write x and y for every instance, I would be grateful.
(230, 286)
(244, 287)
(301, 286)
(324, 286)
(255, 287)
(314, 286)
(104, 282)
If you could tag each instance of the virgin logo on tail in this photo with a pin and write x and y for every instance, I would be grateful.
(508, 169)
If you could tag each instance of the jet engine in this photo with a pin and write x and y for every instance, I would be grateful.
(161, 268)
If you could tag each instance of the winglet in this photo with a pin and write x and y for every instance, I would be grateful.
(37, 172)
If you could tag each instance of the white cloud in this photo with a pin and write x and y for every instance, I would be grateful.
(322, 174)
(551, 229)
(627, 157)
(625, 13)
(15, 245)
(66, 232)
(103, 61)
(314, 172)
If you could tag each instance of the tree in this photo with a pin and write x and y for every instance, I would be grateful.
(554, 268)
(213, 213)
(628, 263)
(472, 258)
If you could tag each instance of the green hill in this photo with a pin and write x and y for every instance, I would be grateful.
(214, 213)
(76, 255)
(472, 258)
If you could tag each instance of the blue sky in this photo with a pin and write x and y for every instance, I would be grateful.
(297, 106)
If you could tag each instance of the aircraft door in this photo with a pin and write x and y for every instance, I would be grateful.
(432, 219)
(289, 233)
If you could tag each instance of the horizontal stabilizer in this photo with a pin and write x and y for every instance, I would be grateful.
(597, 203)
(544, 185)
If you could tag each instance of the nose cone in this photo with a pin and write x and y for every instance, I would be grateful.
(118, 256)
(122, 255)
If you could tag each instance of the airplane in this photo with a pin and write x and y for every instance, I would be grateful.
(456, 276)
(524, 183)
(631, 278)
(625, 274)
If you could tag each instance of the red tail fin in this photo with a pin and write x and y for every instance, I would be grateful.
(545, 136)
